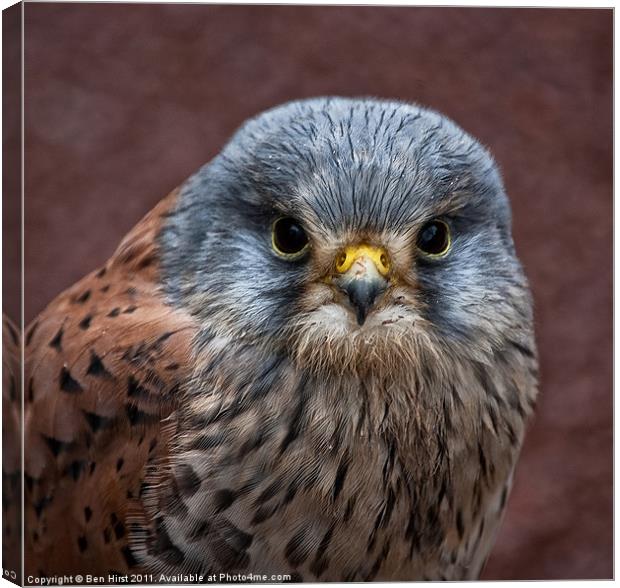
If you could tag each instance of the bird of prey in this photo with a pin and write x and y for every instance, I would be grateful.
(314, 358)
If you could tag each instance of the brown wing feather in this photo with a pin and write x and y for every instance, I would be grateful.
(11, 454)
(105, 363)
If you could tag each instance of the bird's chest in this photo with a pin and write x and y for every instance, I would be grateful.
(291, 489)
(373, 521)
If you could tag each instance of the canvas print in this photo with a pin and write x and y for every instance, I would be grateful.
(310, 294)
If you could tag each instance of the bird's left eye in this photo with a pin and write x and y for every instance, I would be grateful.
(288, 238)
(434, 239)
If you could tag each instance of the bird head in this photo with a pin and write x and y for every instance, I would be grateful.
(350, 235)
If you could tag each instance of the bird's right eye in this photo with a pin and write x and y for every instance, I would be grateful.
(288, 238)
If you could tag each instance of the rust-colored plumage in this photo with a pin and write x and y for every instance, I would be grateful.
(104, 362)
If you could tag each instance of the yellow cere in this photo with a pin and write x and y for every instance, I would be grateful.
(345, 260)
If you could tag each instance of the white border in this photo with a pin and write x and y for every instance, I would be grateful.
(497, 4)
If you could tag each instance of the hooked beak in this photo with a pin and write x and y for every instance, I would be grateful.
(361, 272)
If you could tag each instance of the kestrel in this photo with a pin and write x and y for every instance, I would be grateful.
(315, 358)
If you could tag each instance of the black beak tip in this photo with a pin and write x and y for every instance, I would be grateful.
(362, 295)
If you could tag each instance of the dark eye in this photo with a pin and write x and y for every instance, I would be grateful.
(434, 239)
(288, 238)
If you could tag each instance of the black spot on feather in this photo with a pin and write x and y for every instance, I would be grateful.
(297, 549)
(55, 445)
(31, 333)
(68, 383)
(165, 548)
(460, 527)
(341, 474)
(12, 332)
(96, 367)
(136, 416)
(187, 480)
(119, 530)
(85, 322)
(41, 505)
(135, 389)
(129, 557)
(75, 468)
(82, 298)
(96, 421)
(56, 342)
(223, 499)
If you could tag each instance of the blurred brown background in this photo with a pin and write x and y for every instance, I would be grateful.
(124, 102)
